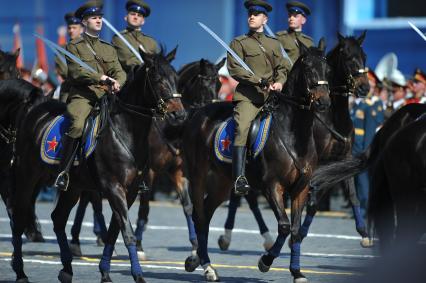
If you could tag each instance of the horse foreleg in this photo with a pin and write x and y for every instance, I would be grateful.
(120, 203)
(297, 205)
(360, 226)
(251, 198)
(185, 200)
(99, 227)
(143, 213)
(59, 216)
(225, 240)
(78, 221)
(33, 229)
(275, 196)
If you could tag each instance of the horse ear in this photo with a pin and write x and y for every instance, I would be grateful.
(340, 37)
(361, 38)
(171, 56)
(16, 53)
(302, 47)
(321, 44)
(220, 64)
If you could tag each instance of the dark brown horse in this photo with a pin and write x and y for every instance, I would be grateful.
(8, 68)
(288, 159)
(197, 84)
(115, 166)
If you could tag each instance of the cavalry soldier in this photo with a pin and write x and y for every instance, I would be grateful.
(418, 87)
(297, 16)
(262, 54)
(137, 12)
(74, 30)
(87, 87)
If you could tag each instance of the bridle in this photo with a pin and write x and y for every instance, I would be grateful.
(196, 79)
(349, 86)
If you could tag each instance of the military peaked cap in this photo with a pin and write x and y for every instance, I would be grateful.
(71, 19)
(419, 76)
(138, 6)
(258, 5)
(298, 7)
(90, 8)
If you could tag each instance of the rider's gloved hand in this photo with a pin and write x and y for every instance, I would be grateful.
(263, 84)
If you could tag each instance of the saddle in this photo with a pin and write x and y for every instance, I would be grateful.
(258, 135)
(51, 145)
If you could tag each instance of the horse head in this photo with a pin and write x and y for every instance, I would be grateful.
(157, 79)
(8, 68)
(348, 62)
(198, 82)
(308, 78)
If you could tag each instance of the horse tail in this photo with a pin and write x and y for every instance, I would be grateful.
(380, 206)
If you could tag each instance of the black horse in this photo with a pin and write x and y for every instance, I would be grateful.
(333, 132)
(8, 68)
(374, 159)
(197, 84)
(17, 97)
(115, 166)
(288, 158)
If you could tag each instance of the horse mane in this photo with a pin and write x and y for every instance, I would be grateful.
(19, 91)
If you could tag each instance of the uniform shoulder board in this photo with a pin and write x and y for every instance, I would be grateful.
(241, 37)
(103, 41)
(124, 31)
(283, 32)
(76, 40)
(145, 35)
(307, 36)
(270, 36)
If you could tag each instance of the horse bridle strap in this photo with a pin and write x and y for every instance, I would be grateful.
(336, 134)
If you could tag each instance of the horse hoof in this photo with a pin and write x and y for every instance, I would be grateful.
(64, 277)
(367, 242)
(35, 237)
(223, 243)
(75, 250)
(22, 280)
(191, 263)
(105, 278)
(211, 274)
(300, 280)
(99, 241)
(139, 279)
(265, 262)
(298, 277)
(142, 255)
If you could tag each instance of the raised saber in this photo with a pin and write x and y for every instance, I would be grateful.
(218, 39)
(417, 30)
(67, 53)
(60, 56)
(123, 39)
(285, 55)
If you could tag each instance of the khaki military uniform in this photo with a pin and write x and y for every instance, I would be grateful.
(288, 40)
(85, 86)
(258, 51)
(62, 70)
(136, 38)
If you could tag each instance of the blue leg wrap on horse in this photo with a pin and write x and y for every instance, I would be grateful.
(134, 261)
(139, 229)
(104, 264)
(295, 256)
(191, 228)
(66, 255)
(359, 221)
(230, 220)
(202, 249)
(278, 245)
(259, 219)
(303, 231)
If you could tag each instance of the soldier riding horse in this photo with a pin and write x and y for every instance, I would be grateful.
(288, 158)
(114, 167)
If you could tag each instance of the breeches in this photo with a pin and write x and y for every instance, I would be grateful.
(78, 109)
(244, 113)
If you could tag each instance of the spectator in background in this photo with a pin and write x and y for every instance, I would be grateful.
(417, 86)
(398, 84)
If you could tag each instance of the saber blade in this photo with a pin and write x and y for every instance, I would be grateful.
(417, 30)
(224, 45)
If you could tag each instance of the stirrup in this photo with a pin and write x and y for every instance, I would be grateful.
(62, 181)
(243, 189)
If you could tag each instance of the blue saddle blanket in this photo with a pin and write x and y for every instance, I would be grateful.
(224, 139)
(51, 145)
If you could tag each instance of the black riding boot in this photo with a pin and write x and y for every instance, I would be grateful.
(69, 150)
(241, 186)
